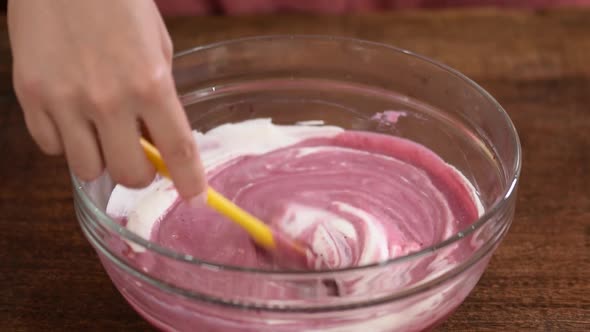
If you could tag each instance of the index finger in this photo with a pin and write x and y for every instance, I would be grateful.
(169, 128)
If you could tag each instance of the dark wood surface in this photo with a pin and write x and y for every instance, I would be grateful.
(537, 64)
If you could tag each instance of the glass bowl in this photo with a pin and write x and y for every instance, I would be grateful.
(341, 82)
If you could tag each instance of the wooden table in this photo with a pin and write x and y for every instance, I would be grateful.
(536, 64)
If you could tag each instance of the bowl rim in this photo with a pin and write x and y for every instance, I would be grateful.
(498, 206)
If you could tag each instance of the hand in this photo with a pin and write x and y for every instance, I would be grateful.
(86, 73)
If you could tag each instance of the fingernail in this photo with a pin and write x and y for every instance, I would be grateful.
(198, 201)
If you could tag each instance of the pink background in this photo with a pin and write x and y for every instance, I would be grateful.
(238, 7)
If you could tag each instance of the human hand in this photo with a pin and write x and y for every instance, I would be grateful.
(86, 73)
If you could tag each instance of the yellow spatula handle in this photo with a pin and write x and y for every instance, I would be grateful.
(259, 231)
(154, 156)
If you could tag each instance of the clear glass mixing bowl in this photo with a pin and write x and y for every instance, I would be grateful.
(343, 82)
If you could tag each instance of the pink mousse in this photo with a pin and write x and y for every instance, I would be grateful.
(355, 198)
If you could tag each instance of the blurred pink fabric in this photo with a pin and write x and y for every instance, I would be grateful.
(243, 7)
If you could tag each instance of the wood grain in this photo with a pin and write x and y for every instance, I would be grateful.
(536, 64)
